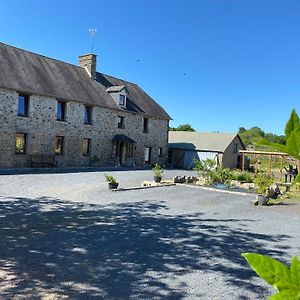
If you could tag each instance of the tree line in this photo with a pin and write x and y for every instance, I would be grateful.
(255, 135)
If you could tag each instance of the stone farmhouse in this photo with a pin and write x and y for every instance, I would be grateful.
(186, 146)
(53, 113)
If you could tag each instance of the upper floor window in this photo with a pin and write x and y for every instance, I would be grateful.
(59, 145)
(122, 100)
(61, 111)
(146, 125)
(86, 147)
(87, 114)
(23, 105)
(20, 143)
(121, 122)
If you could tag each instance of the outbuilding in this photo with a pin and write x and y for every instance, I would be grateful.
(185, 146)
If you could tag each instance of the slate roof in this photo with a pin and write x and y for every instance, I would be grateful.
(32, 73)
(122, 138)
(116, 88)
(201, 141)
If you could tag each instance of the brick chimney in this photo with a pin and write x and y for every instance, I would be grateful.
(88, 62)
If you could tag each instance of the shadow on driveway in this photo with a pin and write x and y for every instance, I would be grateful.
(121, 251)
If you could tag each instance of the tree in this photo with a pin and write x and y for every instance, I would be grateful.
(242, 130)
(274, 138)
(292, 124)
(182, 127)
(255, 135)
(251, 136)
(292, 146)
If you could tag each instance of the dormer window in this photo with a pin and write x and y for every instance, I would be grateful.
(119, 94)
(122, 100)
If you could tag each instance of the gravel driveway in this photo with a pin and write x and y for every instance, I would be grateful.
(64, 236)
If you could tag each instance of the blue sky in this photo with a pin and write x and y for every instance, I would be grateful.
(216, 64)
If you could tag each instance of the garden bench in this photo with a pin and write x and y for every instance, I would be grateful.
(287, 185)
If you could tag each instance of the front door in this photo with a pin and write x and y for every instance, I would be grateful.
(121, 153)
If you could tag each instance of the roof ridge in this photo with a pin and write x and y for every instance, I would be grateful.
(40, 55)
(205, 132)
(114, 77)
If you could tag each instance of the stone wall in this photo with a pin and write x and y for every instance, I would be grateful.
(41, 128)
(230, 157)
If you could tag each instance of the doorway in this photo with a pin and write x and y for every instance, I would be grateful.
(120, 153)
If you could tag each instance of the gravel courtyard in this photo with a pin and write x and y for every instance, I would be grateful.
(65, 236)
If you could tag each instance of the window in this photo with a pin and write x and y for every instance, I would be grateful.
(88, 115)
(146, 125)
(121, 122)
(23, 105)
(147, 153)
(160, 152)
(235, 148)
(86, 147)
(59, 145)
(61, 111)
(21, 143)
(122, 99)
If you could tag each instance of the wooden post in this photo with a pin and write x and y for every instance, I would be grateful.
(243, 162)
(281, 167)
(270, 162)
(256, 164)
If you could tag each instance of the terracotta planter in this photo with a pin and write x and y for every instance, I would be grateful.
(157, 178)
(113, 186)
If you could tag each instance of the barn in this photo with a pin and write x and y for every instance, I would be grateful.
(185, 146)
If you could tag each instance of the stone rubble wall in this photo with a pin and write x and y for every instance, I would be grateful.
(41, 128)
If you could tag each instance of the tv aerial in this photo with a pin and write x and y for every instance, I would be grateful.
(93, 32)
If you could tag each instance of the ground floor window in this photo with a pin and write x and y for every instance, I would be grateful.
(59, 145)
(148, 153)
(86, 147)
(160, 152)
(21, 143)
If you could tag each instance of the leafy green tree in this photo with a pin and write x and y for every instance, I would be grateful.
(251, 136)
(255, 135)
(274, 138)
(242, 130)
(182, 127)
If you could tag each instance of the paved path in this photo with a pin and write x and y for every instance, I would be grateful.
(64, 236)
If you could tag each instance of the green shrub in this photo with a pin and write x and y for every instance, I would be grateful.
(243, 177)
(205, 168)
(110, 179)
(224, 174)
(263, 180)
(158, 170)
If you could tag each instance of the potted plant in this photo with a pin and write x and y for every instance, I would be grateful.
(158, 172)
(112, 182)
(263, 180)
